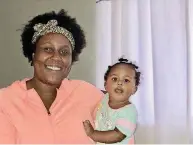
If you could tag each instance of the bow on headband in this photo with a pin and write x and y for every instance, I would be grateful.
(51, 27)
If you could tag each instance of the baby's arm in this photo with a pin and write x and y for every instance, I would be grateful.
(111, 136)
(125, 126)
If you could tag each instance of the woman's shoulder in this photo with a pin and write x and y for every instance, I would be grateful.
(83, 85)
(10, 89)
(85, 88)
(8, 94)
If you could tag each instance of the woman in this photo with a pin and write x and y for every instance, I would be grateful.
(49, 108)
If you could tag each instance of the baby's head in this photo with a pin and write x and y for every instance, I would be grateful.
(122, 80)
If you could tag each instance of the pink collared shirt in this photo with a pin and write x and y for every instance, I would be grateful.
(24, 119)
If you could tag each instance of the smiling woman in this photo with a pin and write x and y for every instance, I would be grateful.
(48, 107)
(53, 58)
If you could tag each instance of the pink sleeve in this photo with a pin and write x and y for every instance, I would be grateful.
(97, 96)
(95, 110)
(92, 97)
(7, 131)
(100, 96)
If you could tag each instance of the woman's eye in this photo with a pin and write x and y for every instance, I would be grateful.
(64, 52)
(48, 49)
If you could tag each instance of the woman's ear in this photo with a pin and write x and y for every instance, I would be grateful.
(33, 55)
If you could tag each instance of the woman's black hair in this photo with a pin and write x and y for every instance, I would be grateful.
(65, 21)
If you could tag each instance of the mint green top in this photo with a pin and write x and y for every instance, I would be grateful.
(124, 119)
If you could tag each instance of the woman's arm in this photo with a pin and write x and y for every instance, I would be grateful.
(7, 130)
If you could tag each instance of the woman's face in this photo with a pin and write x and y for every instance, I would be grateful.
(52, 59)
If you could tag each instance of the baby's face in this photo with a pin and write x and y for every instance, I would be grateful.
(120, 83)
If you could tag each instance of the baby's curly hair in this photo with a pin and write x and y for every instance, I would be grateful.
(65, 21)
(125, 61)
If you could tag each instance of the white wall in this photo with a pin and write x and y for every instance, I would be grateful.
(14, 14)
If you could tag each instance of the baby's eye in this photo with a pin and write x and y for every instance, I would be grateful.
(114, 79)
(127, 80)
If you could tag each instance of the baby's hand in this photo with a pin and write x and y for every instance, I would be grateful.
(88, 128)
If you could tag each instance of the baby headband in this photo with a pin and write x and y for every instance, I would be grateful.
(51, 27)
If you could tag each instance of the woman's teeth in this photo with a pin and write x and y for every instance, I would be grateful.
(54, 68)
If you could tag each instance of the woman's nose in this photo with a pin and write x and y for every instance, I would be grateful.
(56, 56)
